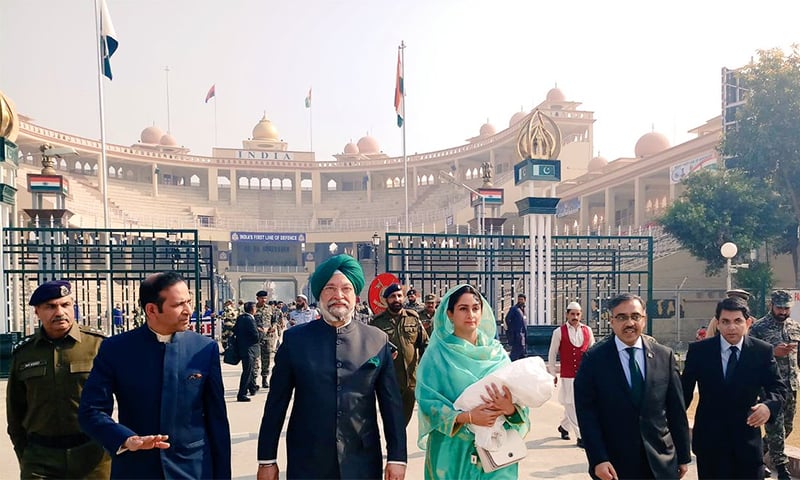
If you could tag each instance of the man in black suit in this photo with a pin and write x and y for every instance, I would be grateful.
(247, 344)
(731, 370)
(335, 369)
(629, 402)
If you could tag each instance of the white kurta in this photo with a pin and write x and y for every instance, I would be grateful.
(566, 393)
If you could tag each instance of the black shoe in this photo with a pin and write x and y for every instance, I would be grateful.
(264, 383)
(580, 443)
(564, 433)
(255, 388)
(783, 472)
(251, 393)
(242, 399)
(767, 472)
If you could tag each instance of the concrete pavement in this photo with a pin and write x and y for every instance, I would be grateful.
(548, 455)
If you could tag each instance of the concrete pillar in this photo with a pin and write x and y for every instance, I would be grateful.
(611, 206)
(316, 189)
(639, 201)
(234, 185)
(298, 192)
(213, 188)
(583, 215)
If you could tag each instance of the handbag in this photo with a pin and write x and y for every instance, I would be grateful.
(512, 451)
(231, 355)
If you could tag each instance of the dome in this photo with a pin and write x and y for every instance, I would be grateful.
(368, 144)
(596, 164)
(487, 130)
(265, 130)
(151, 135)
(650, 144)
(168, 140)
(556, 95)
(351, 148)
(516, 118)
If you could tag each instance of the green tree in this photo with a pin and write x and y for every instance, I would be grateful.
(765, 142)
(721, 206)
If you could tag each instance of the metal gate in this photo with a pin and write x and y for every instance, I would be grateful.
(105, 267)
(590, 269)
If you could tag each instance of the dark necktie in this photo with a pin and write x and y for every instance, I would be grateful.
(637, 381)
(732, 361)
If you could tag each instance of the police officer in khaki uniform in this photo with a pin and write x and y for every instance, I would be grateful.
(46, 378)
(406, 333)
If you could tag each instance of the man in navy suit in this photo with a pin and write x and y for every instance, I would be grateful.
(629, 401)
(167, 383)
(740, 390)
(247, 343)
(336, 368)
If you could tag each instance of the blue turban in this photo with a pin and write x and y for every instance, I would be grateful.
(346, 264)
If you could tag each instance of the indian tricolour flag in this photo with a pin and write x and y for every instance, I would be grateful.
(47, 183)
(399, 93)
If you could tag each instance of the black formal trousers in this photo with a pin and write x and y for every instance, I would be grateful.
(246, 381)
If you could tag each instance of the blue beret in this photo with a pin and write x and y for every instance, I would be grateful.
(346, 264)
(50, 290)
(391, 289)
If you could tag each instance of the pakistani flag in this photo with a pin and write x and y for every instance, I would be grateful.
(308, 99)
(108, 39)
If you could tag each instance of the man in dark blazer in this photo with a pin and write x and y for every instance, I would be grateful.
(247, 343)
(167, 383)
(740, 390)
(336, 368)
(629, 402)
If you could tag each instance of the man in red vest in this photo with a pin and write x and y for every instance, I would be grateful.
(569, 341)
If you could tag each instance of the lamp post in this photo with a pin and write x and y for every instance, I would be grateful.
(482, 214)
(728, 250)
(376, 242)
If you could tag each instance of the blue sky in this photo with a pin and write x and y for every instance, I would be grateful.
(636, 64)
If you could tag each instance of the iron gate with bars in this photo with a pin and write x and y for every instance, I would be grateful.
(93, 259)
(590, 269)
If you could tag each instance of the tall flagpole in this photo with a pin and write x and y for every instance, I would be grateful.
(103, 160)
(216, 143)
(402, 49)
(169, 123)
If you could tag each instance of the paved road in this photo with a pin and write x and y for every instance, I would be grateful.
(548, 455)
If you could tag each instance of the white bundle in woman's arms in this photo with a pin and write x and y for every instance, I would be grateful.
(526, 378)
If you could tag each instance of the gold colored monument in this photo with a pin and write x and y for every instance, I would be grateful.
(9, 123)
(539, 138)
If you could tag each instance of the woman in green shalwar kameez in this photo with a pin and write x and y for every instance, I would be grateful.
(462, 350)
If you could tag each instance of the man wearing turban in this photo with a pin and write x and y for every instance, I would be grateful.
(336, 369)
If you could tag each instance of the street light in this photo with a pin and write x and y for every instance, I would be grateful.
(449, 178)
(376, 242)
(729, 250)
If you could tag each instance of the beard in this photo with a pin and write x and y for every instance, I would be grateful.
(336, 313)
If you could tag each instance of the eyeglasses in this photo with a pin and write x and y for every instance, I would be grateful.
(622, 317)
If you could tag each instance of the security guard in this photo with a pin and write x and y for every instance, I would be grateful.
(229, 315)
(408, 336)
(46, 377)
(427, 313)
(269, 333)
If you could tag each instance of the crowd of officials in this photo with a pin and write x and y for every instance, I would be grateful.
(624, 398)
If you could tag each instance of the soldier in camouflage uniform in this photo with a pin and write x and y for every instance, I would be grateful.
(783, 333)
(407, 334)
(229, 315)
(426, 314)
(46, 377)
(268, 334)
